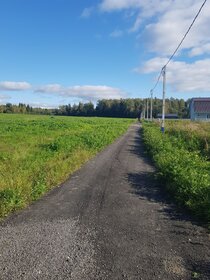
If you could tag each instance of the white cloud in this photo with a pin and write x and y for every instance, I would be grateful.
(3, 98)
(14, 86)
(52, 88)
(165, 34)
(203, 49)
(144, 8)
(87, 92)
(161, 25)
(151, 66)
(112, 5)
(170, 20)
(42, 105)
(117, 33)
(87, 12)
(182, 76)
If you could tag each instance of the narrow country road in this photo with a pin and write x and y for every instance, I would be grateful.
(109, 221)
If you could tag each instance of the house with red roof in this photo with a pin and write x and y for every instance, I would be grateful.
(200, 109)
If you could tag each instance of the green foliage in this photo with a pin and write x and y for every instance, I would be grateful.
(195, 275)
(123, 108)
(38, 186)
(39, 152)
(194, 136)
(10, 199)
(185, 173)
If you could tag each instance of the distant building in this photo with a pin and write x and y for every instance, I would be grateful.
(200, 109)
(168, 116)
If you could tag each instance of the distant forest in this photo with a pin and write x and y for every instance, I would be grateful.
(123, 108)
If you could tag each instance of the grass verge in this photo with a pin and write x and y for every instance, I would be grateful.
(186, 174)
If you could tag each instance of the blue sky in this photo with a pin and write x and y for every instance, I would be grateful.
(54, 52)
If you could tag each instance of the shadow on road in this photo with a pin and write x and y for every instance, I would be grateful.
(181, 224)
(146, 185)
(143, 185)
(137, 148)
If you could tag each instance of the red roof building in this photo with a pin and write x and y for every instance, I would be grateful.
(200, 109)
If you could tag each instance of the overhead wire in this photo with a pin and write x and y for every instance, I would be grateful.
(191, 25)
(184, 37)
(157, 80)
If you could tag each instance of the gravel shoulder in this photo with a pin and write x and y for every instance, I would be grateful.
(110, 220)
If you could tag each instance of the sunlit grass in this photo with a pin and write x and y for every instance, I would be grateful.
(39, 152)
(195, 135)
(182, 156)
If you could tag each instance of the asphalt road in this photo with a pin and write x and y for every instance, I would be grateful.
(110, 220)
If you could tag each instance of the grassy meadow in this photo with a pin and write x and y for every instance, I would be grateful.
(182, 156)
(39, 152)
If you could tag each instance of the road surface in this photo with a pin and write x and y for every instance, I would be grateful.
(110, 220)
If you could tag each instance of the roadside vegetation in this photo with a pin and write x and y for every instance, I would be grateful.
(182, 157)
(39, 152)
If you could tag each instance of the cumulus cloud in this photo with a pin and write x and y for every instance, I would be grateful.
(182, 76)
(144, 8)
(151, 66)
(160, 25)
(165, 34)
(14, 86)
(87, 92)
(170, 20)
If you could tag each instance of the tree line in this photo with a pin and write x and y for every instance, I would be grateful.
(123, 108)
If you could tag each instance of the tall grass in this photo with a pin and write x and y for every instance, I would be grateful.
(39, 152)
(194, 136)
(182, 165)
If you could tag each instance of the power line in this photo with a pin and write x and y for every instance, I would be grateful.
(188, 30)
(158, 80)
(191, 25)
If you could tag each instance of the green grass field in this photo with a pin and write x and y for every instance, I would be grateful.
(183, 159)
(39, 152)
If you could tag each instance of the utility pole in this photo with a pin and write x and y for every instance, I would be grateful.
(164, 93)
(151, 92)
(147, 110)
(144, 113)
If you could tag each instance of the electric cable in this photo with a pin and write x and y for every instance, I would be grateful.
(188, 30)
